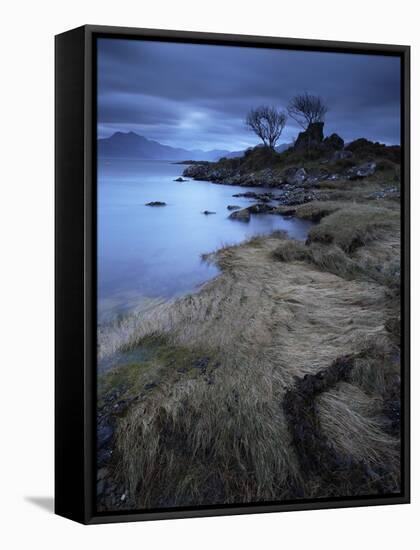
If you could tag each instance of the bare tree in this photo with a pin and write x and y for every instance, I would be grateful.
(267, 123)
(306, 109)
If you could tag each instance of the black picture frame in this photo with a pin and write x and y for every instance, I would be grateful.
(75, 269)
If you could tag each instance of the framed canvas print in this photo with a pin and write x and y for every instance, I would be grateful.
(232, 274)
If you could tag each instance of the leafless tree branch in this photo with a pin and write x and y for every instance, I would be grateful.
(306, 109)
(267, 123)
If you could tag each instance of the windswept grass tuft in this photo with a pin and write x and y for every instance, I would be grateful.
(352, 242)
(354, 226)
(331, 259)
(314, 211)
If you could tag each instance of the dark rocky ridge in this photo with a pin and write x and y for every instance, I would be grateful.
(313, 139)
(300, 166)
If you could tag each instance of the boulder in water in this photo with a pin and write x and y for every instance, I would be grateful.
(241, 215)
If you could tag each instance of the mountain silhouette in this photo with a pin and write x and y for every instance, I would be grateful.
(133, 146)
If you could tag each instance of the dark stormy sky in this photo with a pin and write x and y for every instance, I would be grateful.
(196, 96)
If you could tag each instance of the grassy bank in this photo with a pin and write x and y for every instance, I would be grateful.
(210, 417)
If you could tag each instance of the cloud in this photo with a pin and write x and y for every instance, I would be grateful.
(196, 96)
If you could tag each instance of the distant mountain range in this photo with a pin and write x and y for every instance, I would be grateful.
(131, 145)
(134, 146)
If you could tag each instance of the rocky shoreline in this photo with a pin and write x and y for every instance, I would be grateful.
(277, 178)
(298, 178)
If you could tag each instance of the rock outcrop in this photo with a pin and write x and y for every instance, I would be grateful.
(311, 138)
(364, 148)
(334, 142)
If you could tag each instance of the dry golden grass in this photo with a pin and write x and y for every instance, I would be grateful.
(354, 226)
(217, 433)
(313, 211)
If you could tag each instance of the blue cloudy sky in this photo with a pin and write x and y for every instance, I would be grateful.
(196, 96)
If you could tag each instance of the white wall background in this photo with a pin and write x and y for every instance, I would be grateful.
(26, 289)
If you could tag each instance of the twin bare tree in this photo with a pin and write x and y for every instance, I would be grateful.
(307, 109)
(268, 122)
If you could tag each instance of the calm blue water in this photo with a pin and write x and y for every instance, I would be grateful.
(155, 252)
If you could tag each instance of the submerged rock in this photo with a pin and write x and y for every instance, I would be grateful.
(244, 215)
(155, 203)
(263, 197)
(260, 208)
(241, 215)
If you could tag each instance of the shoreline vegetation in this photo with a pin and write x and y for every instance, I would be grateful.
(280, 378)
